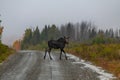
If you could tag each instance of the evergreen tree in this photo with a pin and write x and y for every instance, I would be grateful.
(27, 38)
(93, 33)
(36, 36)
(84, 29)
(53, 32)
(107, 33)
(111, 33)
(44, 34)
(70, 31)
(63, 30)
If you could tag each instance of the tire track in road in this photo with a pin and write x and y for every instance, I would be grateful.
(35, 71)
(19, 71)
(10, 63)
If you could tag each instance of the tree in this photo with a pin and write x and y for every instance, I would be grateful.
(116, 34)
(1, 31)
(44, 34)
(27, 40)
(107, 33)
(63, 30)
(70, 31)
(50, 32)
(16, 45)
(36, 36)
(77, 32)
(84, 29)
(111, 33)
(53, 32)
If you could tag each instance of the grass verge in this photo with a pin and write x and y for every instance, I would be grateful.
(5, 51)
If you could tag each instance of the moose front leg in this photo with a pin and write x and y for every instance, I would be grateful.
(60, 54)
(49, 53)
(45, 53)
(65, 54)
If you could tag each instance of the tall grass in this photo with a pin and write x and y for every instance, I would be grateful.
(104, 55)
(95, 51)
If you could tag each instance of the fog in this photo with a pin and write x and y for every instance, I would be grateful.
(17, 15)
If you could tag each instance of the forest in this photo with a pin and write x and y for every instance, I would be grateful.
(84, 32)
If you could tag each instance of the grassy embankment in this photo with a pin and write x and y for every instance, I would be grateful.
(5, 51)
(105, 55)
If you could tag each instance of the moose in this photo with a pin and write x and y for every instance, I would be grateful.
(57, 44)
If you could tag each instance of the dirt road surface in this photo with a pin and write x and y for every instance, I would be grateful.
(30, 65)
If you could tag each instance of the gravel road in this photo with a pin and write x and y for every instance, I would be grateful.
(30, 65)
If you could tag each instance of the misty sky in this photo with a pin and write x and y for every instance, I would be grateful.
(17, 15)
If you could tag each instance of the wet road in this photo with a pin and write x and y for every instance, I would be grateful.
(30, 65)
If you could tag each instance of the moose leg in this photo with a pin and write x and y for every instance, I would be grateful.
(45, 53)
(49, 53)
(65, 54)
(60, 54)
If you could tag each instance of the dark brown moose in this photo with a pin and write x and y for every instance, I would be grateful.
(57, 44)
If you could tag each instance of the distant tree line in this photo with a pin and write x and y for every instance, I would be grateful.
(34, 37)
(84, 32)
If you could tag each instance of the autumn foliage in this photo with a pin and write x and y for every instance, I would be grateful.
(17, 45)
(105, 55)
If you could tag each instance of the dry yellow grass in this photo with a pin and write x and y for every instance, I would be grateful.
(105, 55)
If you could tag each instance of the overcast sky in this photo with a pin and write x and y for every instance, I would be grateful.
(17, 15)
